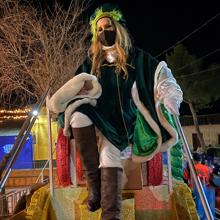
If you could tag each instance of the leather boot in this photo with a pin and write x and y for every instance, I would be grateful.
(111, 186)
(85, 138)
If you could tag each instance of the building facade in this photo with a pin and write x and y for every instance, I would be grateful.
(209, 126)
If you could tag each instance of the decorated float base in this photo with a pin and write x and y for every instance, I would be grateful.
(69, 204)
(152, 203)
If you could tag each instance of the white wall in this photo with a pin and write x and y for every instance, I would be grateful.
(210, 133)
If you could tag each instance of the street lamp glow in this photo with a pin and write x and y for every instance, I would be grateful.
(35, 113)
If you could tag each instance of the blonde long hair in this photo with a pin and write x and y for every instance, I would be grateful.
(122, 46)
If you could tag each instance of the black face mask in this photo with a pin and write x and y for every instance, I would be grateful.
(107, 38)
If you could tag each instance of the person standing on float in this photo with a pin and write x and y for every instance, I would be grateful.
(138, 97)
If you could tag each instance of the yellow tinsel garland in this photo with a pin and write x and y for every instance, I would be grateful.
(40, 207)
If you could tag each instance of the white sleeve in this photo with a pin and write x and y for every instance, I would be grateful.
(167, 86)
(168, 91)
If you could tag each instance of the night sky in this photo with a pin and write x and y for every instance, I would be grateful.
(158, 25)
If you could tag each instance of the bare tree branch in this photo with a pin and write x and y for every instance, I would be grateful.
(39, 48)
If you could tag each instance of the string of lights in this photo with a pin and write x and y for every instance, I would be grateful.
(15, 114)
(15, 111)
(15, 117)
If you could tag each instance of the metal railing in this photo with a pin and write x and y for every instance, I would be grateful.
(14, 196)
(12, 199)
(41, 175)
(195, 177)
(19, 142)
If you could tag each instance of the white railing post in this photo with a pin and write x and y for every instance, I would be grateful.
(50, 151)
(42, 177)
(169, 171)
(73, 162)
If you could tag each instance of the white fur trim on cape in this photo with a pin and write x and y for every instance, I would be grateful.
(68, 92)
(146, 114)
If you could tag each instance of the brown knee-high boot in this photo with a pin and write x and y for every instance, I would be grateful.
(111, 186)
(85, 138)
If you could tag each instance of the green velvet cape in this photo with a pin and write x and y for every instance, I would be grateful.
(107, 114)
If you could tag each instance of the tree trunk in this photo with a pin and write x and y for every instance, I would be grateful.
(195, 121)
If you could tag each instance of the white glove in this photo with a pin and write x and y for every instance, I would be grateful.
(172, 105)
